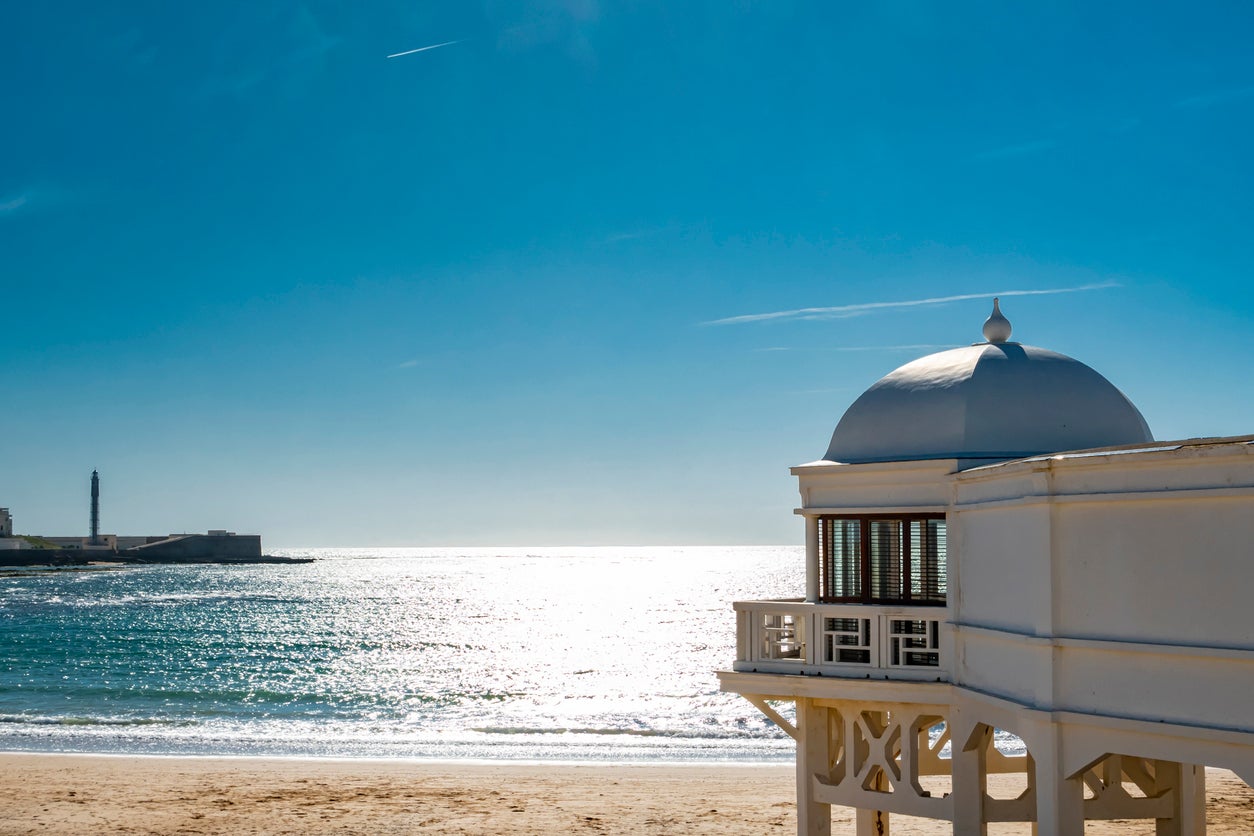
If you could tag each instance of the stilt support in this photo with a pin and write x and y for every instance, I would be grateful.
(1187, 785)
(970, 777)
(814, 742)
(1059, 798)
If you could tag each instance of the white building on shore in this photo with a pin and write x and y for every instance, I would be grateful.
(6, 525)
(995, 543)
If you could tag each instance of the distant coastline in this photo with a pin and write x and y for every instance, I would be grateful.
(78, 558)
(213, 547)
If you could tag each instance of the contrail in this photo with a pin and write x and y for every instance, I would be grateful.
(843, 311)
(422, 49)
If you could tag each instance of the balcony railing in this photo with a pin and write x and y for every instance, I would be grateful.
(851, 640)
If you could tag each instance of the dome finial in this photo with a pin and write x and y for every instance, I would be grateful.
(996, 327)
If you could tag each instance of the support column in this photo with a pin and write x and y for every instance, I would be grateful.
(814, 745)
(1193, 800)
(872, 823)
(812, 560)
(1059, 799)
(1188, 809)
(969, 765)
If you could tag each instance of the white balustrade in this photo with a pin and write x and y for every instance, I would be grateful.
(913, 642)
(792, 636)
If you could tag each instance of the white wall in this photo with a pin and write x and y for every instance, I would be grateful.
(1176, 571)
(1117, 584)
(1000, 561)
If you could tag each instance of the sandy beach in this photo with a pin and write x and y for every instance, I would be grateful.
(80, 794)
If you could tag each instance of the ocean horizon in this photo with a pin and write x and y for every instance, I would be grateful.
(575, 654)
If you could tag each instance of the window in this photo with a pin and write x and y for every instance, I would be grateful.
(882, 560)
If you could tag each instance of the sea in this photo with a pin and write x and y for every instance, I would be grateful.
(535, 654)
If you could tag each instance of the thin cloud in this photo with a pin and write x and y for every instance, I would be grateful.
(1217, 97)
(819, 391)
(10, 206)
(624, 236)
(408, 364)
(1015, 150)
(645, 232)
(861, 309)
(424, 48)
(914, 347)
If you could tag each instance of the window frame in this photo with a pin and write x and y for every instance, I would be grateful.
(904, 598)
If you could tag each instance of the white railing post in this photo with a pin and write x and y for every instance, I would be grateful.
(812, 560)
(879, 640)
(744, 645)
(814, 635)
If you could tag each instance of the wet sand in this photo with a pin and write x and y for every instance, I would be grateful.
(84, 794)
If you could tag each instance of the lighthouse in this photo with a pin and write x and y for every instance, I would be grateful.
(95, 508)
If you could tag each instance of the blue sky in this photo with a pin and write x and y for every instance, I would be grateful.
(266, 278)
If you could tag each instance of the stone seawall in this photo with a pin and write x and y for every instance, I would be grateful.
(195, 548)
(81, 557)
(52, 557)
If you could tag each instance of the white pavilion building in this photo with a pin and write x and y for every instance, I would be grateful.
(995, 543)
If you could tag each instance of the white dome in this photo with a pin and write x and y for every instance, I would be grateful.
(996, 400)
